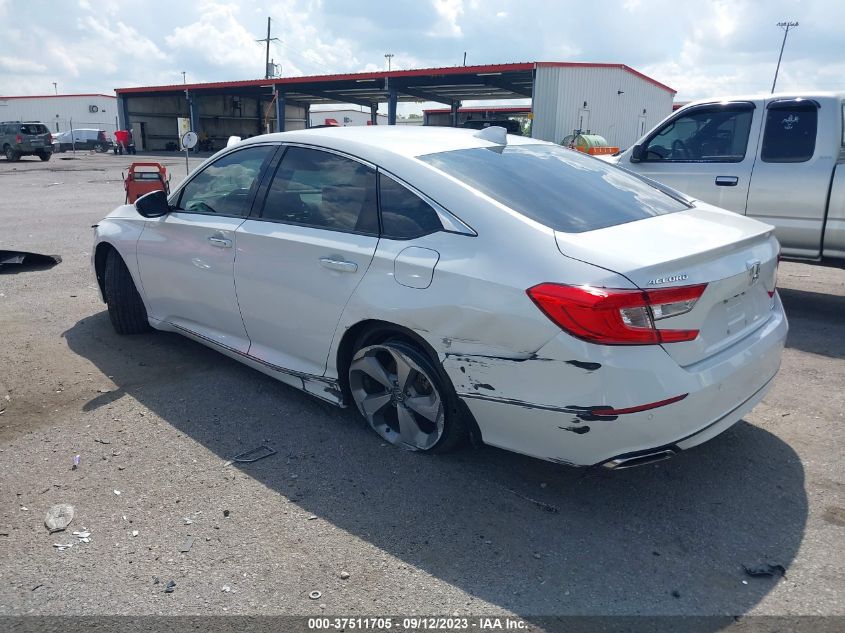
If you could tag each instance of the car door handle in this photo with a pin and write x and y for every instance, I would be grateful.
(220, 242)
(726, 181)
(338, 264)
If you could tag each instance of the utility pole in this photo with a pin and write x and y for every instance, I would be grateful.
(267, 39)
(388, 57)
(184, 80)
(55, 88)
(785, 26)
(465, 58)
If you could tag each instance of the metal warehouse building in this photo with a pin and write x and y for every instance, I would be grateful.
(59, 112)
(612, 100)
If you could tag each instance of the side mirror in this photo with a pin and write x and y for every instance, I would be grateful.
(637, 153)
(153, 204)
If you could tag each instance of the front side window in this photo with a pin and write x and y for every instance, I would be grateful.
(323, 190)
(712, 134)
(224, 187)
(790, 134)
(557, 187)
(404, 215)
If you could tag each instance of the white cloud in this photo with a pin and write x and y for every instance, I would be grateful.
(449, 12)
(19, 65)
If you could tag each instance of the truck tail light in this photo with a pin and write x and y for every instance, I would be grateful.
(19, 139)
(611, 316)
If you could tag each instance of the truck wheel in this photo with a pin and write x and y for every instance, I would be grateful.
(126, 309)
(44, 156)
(12, 155)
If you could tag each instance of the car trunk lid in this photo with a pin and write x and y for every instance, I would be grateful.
(735, 256)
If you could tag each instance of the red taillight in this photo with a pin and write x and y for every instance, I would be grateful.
(775, 280)
(613, 316)
(19, 139)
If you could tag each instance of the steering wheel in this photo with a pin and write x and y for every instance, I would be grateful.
(680, 150)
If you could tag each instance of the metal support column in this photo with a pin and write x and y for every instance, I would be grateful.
(122, 113)
(373, 114)
(307, 108)
(453, 118)
(193, 114)
(392, 100)
(280, 111)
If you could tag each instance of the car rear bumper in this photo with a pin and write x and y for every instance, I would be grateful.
(554, 404)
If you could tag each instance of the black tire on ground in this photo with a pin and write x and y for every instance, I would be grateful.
(12, 155)
(44, 156)
(455, 433)
(126, 309)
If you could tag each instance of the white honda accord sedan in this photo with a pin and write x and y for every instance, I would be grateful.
(459, 283)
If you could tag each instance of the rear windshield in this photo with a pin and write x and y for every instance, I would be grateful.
(33, 128)
(560, 188)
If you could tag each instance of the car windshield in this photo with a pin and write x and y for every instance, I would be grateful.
(558, 187)
(31, 128)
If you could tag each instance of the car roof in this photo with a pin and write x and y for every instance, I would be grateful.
(818, 95)
(372, 141)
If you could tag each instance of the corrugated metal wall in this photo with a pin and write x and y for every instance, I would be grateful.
(57, 112)
(561, 92)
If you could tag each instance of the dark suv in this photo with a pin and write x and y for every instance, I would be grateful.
(25, 138)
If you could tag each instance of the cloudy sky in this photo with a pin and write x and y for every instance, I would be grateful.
(701, 48)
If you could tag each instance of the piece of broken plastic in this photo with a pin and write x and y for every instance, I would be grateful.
(247, 457)
(59, 517)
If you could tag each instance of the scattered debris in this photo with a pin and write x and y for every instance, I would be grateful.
(537, 555)
(186, 545)
(117, 492)
(225, 589)
(59, 517)
(676, 593)
(37, 587)
(766, 569)
(547, 507)
(76, 459)
(188, 521)
(84, 536)
(27, 261)
(315, 595)
(170, 587)
(101, 441)
(253, 455)
(313, 517)
(156, 580)
(344, 575)
(134, 533)
(62, 546)
(226, 513)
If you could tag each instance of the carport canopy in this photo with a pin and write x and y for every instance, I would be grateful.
(450, 86)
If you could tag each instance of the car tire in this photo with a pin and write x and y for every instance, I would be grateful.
(126, 309)
(12, 155)
(45, 156)
(434, 424)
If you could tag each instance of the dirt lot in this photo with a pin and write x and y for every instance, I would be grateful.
(155, 418)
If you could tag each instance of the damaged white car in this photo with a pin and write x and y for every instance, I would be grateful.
(452, 283)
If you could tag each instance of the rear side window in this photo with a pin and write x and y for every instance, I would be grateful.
(560, 188)
(323, 190)
(404, 215)
(790, 134)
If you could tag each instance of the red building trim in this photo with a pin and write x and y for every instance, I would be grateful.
(59, 96)
(624, 67)
(500, 109)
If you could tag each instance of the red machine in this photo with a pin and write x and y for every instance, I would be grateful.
(144, 178)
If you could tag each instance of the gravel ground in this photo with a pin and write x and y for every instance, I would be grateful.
(155, 418)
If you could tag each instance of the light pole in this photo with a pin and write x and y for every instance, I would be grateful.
(184, 80)
(388, 57)
(785, 26)
(56, 88)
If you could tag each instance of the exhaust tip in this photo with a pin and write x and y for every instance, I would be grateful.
(621, 463)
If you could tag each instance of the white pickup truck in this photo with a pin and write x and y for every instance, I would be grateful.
(778, 158)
